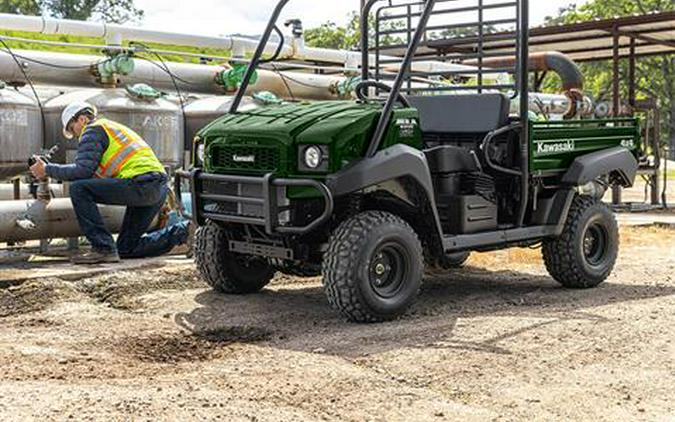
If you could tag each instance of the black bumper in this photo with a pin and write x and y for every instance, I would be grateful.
(268, 200)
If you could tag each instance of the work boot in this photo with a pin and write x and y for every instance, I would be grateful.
(95, 257)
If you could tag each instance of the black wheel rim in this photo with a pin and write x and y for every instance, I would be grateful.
(389, 269)
(595, 244)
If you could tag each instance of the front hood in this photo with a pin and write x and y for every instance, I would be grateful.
(268, 139)
(286, 122)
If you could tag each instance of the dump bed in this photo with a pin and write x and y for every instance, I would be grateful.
(554, 145)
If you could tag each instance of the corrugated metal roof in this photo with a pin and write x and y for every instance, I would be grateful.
(652, 34)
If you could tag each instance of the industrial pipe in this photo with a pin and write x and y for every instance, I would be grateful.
(555, 105)
(571, 76)
(48, 68)
(7, 191)
(35, 219)
(293, 47)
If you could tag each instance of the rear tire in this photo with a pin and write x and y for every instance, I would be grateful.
(373, 267)
(585, 254)
(225, 271)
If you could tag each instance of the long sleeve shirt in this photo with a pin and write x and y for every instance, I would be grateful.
(90, 149)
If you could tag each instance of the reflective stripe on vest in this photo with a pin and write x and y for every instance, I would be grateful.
(112, 167)
(123, 146)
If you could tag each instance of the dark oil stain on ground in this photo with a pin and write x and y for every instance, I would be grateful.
(187, 347)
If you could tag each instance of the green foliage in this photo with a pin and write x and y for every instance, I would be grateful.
(112, 11)
(21, 7)
(330, 35)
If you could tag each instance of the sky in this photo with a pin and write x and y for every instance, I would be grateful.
(218, 17)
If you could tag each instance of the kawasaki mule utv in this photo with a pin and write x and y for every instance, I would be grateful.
(420, 171)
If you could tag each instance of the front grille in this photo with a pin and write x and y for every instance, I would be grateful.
(252, 190)
(257, 158)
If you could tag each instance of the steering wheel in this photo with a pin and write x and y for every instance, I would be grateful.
(361, 90)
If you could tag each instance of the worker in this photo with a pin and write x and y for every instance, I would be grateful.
(113, 166)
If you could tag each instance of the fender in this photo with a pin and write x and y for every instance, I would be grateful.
(392, 163)
(618, 160)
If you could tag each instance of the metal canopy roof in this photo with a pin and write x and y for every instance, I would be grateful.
(651, 34)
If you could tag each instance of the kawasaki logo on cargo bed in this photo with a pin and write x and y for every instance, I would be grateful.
(547, 147)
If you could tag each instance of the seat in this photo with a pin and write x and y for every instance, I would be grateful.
(462, 114)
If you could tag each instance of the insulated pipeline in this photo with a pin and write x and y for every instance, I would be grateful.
(562, 65)
(33, 219)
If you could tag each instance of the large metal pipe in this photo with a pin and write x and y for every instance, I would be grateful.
(48, 68)
(34, 219)
(562, 65)
(569, 72)
(555, 105)
(7, 191)
(293, 48)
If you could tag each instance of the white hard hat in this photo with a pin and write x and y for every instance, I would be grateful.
(72, 110)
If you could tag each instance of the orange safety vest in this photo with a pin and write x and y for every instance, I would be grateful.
(127, 155)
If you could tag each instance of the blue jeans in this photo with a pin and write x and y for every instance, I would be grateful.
(144, 196)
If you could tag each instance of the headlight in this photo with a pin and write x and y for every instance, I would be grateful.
(200, 153)
(313, 157)
(197, 152)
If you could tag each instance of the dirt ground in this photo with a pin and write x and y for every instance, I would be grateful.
(498, 340)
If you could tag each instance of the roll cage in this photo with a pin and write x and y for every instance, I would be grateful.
(459, 30)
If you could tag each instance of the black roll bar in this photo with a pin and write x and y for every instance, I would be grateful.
(255, 60)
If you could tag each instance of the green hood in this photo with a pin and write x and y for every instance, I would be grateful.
(290, 120)
(274, 134)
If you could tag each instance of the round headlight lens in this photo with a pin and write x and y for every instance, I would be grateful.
(313, 157)
(200, 153)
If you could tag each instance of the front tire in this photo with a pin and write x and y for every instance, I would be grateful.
(373, 267)
(225, 271)
(457, 260)
(585, 254)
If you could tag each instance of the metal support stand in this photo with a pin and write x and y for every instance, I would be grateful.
(73, 243)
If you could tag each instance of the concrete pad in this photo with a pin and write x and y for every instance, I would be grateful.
(41, 267)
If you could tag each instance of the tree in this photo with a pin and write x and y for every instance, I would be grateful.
(111, 11)
(331, 35)
(20, 7)
(655, 75)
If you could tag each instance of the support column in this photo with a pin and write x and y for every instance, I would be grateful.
(616, 190)
(631, 74)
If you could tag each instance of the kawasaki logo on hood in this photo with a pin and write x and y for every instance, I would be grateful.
(545, 148)
(243, 158)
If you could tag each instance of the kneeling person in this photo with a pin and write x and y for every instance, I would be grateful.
(113, 166)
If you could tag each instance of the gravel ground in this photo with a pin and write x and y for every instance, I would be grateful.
(498, 340)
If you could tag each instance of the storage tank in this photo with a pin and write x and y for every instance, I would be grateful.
(201, 112)
(20, 131)
(158, 121)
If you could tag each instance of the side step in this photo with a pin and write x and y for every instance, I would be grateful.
(492, 239)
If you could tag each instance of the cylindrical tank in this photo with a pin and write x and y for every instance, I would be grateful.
(158, 121)
(201, 112)
(20, 132)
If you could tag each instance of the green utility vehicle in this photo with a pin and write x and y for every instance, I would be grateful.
(416, 174)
